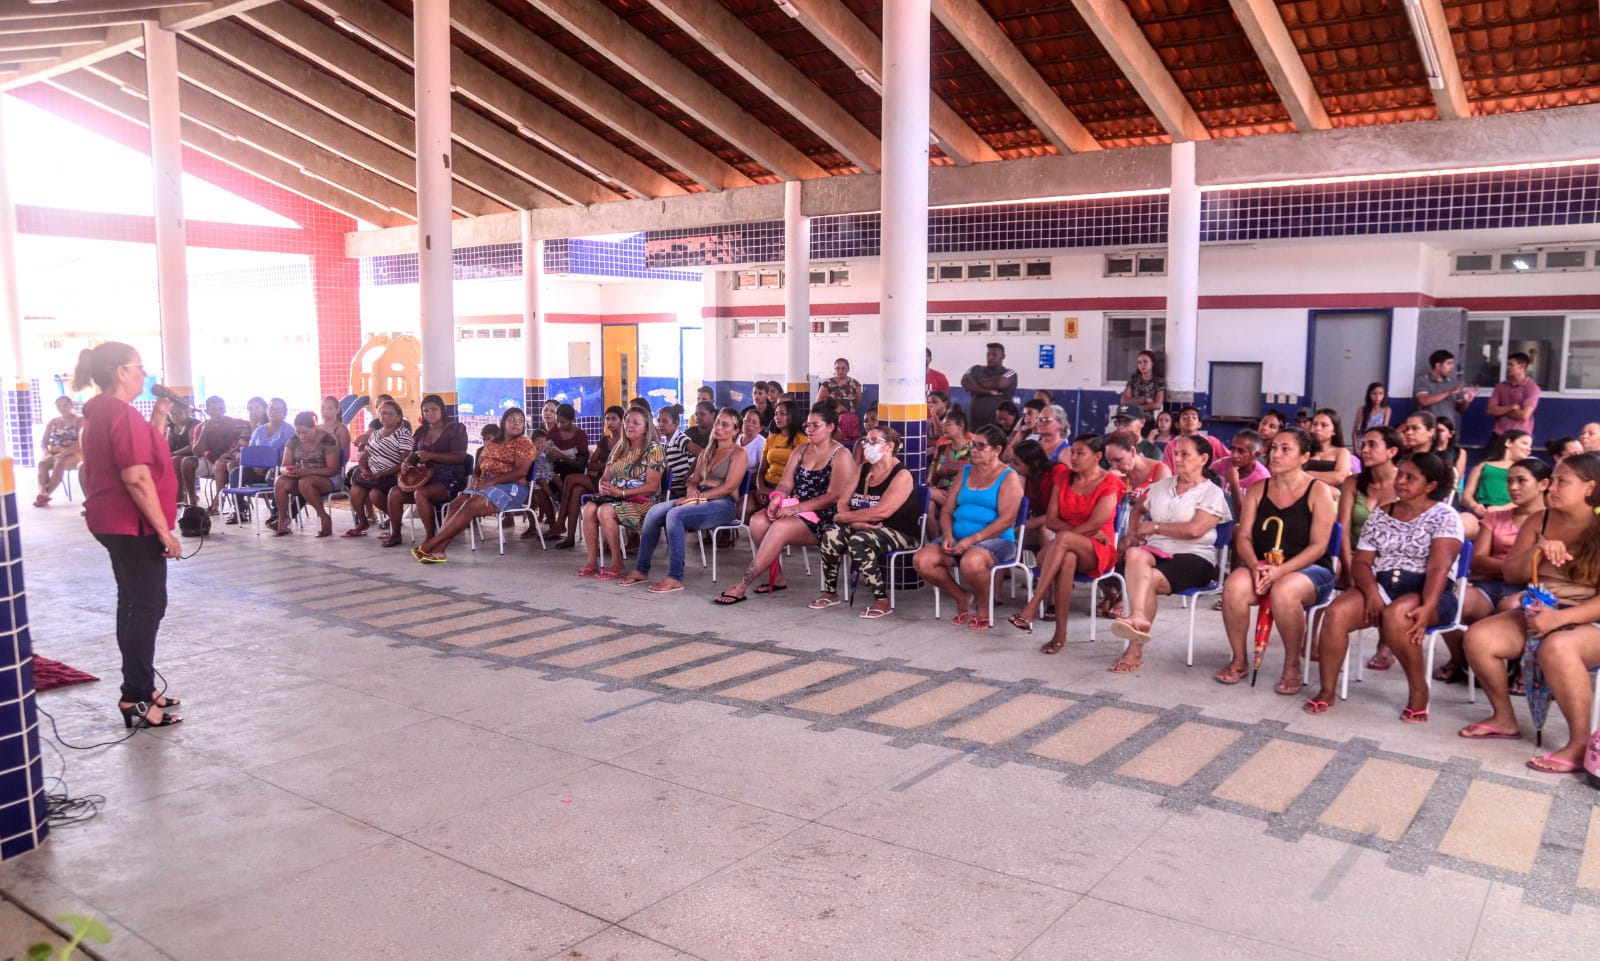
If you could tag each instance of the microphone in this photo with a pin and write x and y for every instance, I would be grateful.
(176, 399)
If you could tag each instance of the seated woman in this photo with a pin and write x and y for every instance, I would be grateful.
(709, 502)
(574, 486)
(61, 450)
(1417, 433)
(1564, 543)
(1488, 591)
(220, 435)
(1083, 515)
(1401, 580)
(1486, 485)
(1447, 445)
(979, 522)
(786, 435)
(1358, 495)
(801, 508)
(569, 445)
(869, 422)
(310, 464)
(1331, 463)
(499, 481)
(1171, 538)
(1051, 423)
(750, 438)
(180, 437)
(1292, 513)
(1041, 478)
(948, 460)
(938, 406)
(879, 517)
(441, 443)
(384, 449)
(624, 493)
(333, 423)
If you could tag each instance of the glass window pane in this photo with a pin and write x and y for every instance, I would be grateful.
(1124, 339)
(1008, 270)
(1008, 325)
(949, 325)
(1484, 356)
(980, 271)
(1152, 264)
(1158, 335)
(951, 271)
(1119, 265)
(1566, 259)
(1474, 263)
(1583, 354)
(978, 325)
(1540, 338)
(1039, 268)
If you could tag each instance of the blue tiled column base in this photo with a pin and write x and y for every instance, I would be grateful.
(533, 398)
(23, 809)
(21, 415)
(913, 435)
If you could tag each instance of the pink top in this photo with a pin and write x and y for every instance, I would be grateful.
(116, 436)
(1502, 529)
(1508, 395)
(1257, 473)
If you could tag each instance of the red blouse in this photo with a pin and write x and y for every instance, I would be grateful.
(116, 436)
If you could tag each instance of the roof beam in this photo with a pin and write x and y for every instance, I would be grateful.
(28, 10)
(209, 110)
(510, 41)
(118, 40)
(1121, 37)
(282, 70)
(30, 54)
(228, 83)
(1438, 54)
(727, 38)
(108, 96)
(550, 127)
(975, 30)
(68, 21)
(189, 18)
(842, 32)
(379, 77)
(605, 33)
(57, 38)
(1268, 35)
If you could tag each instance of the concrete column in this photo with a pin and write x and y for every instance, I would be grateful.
(715, 333)
(431, 42)
(1183, 275)
(534, 388)
(166, 163)
(902, 400)
(16, 414)
(796, 295)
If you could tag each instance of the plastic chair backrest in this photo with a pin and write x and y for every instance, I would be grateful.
(1335, 541)
(1464, 561)
(260, 457)
(1019, 529)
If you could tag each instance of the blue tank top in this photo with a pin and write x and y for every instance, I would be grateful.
(977, 509)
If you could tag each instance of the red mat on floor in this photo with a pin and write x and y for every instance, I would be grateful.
(49, 675)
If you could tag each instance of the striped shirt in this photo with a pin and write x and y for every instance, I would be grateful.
(679, 461)
(384, 454)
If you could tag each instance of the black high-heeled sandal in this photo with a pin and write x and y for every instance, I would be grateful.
(165, 703)
(138, 712)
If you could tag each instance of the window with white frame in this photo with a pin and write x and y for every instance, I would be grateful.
(1126, 335)
(1563, 349)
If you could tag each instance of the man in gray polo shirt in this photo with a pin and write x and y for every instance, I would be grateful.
(988, 384)
(1439, 390)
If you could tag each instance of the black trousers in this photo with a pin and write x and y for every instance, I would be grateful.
(141, 573)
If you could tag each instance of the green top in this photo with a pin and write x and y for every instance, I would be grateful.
(1492, 491)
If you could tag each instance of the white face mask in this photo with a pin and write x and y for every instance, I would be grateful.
(872, 452)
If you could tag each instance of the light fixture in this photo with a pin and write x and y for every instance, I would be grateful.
(1522, 262)
(357, 31)
(1425, 45)
(865, 76)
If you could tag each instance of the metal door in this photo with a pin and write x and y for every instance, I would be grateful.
(619, 363)
(1348, 350)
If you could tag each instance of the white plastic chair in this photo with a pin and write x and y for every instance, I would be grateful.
(1017, 563)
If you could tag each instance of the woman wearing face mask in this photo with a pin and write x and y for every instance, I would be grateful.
(879, 517)
(1292, 513)
(708, 503)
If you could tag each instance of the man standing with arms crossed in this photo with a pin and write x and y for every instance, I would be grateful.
(989, 385)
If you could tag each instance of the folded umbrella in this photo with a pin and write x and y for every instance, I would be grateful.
(1264, 614)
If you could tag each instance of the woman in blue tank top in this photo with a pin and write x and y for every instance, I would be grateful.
(979, 522)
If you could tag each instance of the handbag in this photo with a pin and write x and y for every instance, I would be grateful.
(414, 476)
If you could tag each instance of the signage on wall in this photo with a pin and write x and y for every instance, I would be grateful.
(1070, 328)
(1047, 356)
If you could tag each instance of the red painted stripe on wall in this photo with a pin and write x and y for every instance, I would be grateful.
(610, 318)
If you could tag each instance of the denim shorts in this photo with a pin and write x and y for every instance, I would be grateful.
(1321, 580)
(1396, 584)
(1003, 551)
(1495, 590)
(503, 496)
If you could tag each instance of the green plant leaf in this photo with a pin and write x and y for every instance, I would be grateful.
(41, 952)
(85, 927)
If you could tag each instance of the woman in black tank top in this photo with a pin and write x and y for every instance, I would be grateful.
(880, 515)
(1293, 514)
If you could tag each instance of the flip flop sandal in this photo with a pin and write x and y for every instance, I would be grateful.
(607, 575)
(433, 558)
(658, 589)
(586, 572)
(1483, 732)
(823, 603)
(1550, 764)
(1022, 624)
(873, 613)
(964, 618)
(1288, 691)
(1051, 647)
(980, 624)
(1315, 707)
(1130, 633)
(1414, 717)
(725, 599)
(769, 589)
(1229, 676)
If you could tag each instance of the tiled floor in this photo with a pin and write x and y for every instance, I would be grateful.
(492, 759)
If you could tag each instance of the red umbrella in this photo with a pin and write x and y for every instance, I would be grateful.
(1264, 616)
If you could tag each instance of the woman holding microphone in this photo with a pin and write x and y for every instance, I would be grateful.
(130, 502)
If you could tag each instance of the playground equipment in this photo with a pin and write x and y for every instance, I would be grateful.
(390, 364)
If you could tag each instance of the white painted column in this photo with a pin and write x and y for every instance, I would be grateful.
(166, 163)
(1183, 275)
(431, 43)
(904, 313)
(15, 405)
(534, 379)
(796, 295)
(715, 331)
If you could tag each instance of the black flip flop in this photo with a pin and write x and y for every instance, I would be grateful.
(726, 599)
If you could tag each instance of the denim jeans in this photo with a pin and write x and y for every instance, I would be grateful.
(677, 519)
(140, 571)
